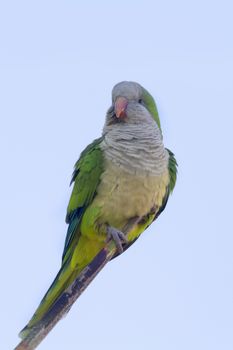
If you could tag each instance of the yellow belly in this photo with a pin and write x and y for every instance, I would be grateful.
(122, 195)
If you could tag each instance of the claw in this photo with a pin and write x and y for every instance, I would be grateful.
(118, 237)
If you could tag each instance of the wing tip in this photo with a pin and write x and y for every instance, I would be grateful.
(24, 332)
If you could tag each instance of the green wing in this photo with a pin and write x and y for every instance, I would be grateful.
(172, 167)
(86, 177)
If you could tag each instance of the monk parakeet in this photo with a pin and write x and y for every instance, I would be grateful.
(125, 174)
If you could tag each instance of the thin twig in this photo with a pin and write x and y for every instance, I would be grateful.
(63, 304)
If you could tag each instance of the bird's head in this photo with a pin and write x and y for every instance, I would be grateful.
(131, 104)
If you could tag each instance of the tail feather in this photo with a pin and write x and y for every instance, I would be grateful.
(72, 265)
(65, 276)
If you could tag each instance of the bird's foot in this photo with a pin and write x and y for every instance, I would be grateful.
(118, 237)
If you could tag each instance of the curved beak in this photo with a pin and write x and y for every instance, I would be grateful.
(120, 107)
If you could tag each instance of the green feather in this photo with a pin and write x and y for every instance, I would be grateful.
(151, 106)
(86, 178)
(172, 167)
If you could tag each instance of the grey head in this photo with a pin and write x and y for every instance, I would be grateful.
(131, 104)
(132, 134)
(129, 89)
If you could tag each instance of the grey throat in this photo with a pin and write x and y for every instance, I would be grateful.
(137, 148)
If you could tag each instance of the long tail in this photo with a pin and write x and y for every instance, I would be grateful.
(64, 278)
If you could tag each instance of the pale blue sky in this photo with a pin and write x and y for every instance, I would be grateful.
(173, 290)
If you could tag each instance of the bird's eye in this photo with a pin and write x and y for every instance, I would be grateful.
(140, 100)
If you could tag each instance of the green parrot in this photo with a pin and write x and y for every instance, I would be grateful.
(125, 174)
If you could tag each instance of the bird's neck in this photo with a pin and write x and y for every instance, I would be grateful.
(136, 148)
